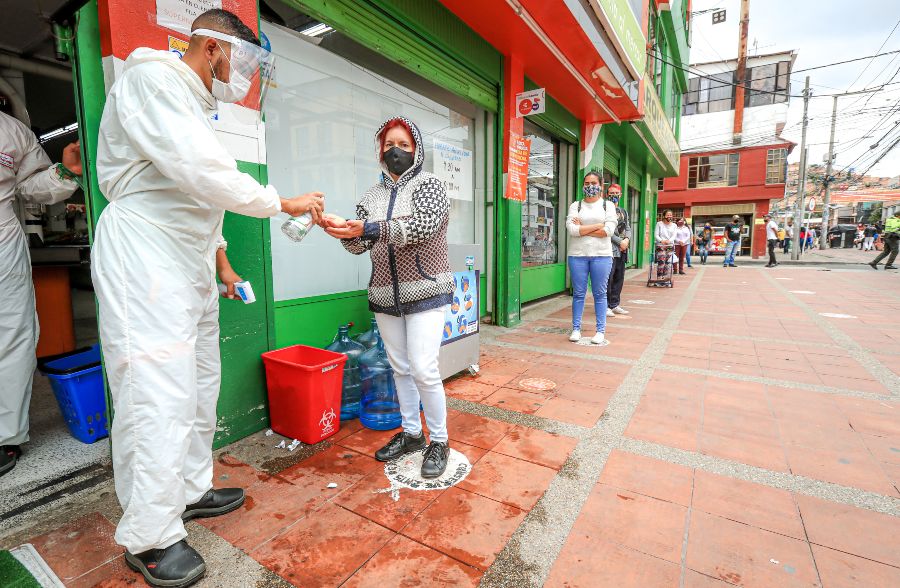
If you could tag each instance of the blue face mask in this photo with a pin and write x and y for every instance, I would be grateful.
(591, 190)
(614, 198)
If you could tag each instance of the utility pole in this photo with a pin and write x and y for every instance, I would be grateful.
(738, 128)
(801, 189)
(823, 238)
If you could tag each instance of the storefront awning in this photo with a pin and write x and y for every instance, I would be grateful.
(591, 70)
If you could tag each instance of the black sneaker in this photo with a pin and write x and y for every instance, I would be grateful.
(400, 444)
(731, 265)
(175, 566)
(214, 503)
(873, 265)
(9, 456)
(435, 461)
(890, 267)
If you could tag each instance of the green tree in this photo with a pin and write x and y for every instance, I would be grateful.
(875, 215)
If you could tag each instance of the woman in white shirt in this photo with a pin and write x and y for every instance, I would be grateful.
(590, 223)
(665, 229)
(683, 236)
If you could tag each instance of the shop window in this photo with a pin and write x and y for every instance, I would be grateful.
(659, 185)
(540, 239)
(767, 84)
(714, 93)
(321, 120)
(634, 209)
(609, 178)
(776, 166)
(713, 171)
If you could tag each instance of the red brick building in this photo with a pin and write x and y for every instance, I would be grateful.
(731, 166)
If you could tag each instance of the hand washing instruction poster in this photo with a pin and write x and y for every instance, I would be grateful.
(461, 319)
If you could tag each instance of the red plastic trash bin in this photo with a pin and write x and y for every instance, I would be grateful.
(304, 385)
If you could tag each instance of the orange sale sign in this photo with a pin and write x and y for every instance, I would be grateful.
(517, 177)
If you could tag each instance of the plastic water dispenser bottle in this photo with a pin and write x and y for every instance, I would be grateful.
(379, 408)
(351, 390)
(370, 338)
(297, 227)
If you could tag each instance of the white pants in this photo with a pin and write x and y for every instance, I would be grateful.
(868, 243)
(18, 334)
(413, 343)
(159, 331)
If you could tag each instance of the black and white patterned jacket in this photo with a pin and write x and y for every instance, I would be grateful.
(406, 234)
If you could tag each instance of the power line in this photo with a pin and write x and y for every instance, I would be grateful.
(873, 59)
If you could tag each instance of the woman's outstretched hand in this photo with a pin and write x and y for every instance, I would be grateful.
(352, 229)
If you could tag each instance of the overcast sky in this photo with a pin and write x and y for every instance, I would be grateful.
(821, 33)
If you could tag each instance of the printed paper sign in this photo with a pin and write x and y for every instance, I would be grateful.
(461, 319)
(530, 102)
(178, 46)
(517, 176)
(178, 15)
(453, 167)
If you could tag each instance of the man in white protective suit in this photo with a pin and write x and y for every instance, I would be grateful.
(26, 172)
(158, 248)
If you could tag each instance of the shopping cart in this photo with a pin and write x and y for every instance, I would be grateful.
(661, 267)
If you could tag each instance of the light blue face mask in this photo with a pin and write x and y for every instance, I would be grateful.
(591, 190)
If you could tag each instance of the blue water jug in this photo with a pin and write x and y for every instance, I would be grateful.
(379, 408)
(351, 388)
(370, 337)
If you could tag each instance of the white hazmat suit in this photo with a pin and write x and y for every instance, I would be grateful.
(169, 182)
(25, 171)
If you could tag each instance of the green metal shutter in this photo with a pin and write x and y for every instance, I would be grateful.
(411, 40)
(611, 162)
(634, 178)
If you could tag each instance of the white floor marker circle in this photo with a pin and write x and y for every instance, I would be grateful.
(586, 342)
(642, 302)
(406, 472)
(540, 384)
(801, 292)
(837, 315)
(784, 278)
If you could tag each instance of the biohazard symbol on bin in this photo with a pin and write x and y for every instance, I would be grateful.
(327, 421)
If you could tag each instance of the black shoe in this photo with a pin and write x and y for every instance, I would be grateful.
(9, 456)
(769, 265)
(214, 503)
(435, 461)
(175, 566)
(890, 267)
(680, 273)
(400, 444)
(873, 265)
(731, 265)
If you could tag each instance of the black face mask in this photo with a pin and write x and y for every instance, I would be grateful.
(397, 160)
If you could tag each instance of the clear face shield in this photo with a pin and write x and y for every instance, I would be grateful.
(252, 69)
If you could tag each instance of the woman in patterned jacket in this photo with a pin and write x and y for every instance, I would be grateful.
(402, 223)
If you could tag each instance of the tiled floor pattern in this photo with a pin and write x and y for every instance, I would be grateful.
(646, 522)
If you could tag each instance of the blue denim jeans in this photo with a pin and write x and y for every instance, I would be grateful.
(730, 249)
(687, 254)
(597, 268)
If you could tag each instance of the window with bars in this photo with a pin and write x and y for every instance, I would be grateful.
(659, 185)
(776, 166)
(713, 171)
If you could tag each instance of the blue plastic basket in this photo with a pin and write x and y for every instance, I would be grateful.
(77, 382)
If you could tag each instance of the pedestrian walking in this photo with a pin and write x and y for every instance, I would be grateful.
(771, 239)
(733, 237)
(869, 237)
(621, 238)
(703, 240)
(891, 238)
(590, 223)
(682, 241)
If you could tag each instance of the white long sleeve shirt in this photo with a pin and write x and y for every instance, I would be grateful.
(665, 232)
(682, 235)
(591, 213)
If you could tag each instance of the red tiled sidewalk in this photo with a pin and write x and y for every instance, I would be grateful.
(648, 522)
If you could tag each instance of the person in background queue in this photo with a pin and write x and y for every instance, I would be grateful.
(621, 239)
(25, 172)
(733, 238)
(402, 222)
(157, 251)
(590, 224)
(682, 241)
(704, 239)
